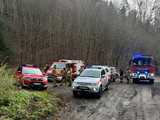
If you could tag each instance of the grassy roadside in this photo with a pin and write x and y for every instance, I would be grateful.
(21, 104)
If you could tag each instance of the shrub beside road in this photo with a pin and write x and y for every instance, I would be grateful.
(22, 104)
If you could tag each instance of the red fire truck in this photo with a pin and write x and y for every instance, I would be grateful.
(142, 68)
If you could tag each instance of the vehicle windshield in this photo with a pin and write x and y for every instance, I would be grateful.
(58, 65)
(90, 73)
(142, 61)
(32, 71)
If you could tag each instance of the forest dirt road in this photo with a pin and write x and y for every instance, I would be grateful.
(120, 102)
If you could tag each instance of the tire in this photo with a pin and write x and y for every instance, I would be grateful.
(107, 86)
(22, 86)
(50, 80)
(114, 80)
(99, 94)
(75, 94)
(151, 81)
(44, 88)
(134, 81)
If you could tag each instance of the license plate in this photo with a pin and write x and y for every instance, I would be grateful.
(36, 83)
(83, 88)
(59, 78)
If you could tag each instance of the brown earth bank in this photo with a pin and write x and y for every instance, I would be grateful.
(121, 102)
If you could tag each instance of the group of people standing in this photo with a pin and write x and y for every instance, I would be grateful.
(63, 76)
(125, 74)
(66, 75)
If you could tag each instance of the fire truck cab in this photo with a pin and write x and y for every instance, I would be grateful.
(142, 68)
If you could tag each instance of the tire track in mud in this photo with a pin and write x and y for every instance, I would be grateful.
(145, 105)
(120, 102)
(109, 107)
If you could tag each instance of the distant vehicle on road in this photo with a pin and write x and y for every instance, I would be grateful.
(142, 68)
(31, 76)
(91, 81)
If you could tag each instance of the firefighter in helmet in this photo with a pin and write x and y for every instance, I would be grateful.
(67, 75)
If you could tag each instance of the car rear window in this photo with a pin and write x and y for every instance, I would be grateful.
(32, 71)
(58, 65)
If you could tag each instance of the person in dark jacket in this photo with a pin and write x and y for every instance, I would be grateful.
(46, 68)
(121, 75)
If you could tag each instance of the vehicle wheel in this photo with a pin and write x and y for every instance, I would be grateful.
(99, 94)
(22, 86)
(134, 81)
(44, 88)
(152, 81)
(107, 86)
(75, 93)
(50, 80)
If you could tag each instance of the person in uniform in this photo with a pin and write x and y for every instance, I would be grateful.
(121, 75)
(46, 68)
(128, 75)
(64, 76)
(54, 73)
(69, 75)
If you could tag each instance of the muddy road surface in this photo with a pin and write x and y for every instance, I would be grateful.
(121, 102)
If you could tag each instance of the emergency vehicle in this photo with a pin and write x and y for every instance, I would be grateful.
(75, 65)
(142, 68)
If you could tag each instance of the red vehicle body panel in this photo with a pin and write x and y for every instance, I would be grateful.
(31, 79)
(151, 68)
(73, 64)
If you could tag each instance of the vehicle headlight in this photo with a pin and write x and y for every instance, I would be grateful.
(146, 72)
(152, 74)
(95, 89)
(45, 78)
(74, 84)
(133, 74)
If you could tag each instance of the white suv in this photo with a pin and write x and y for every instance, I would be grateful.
(91, 81)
